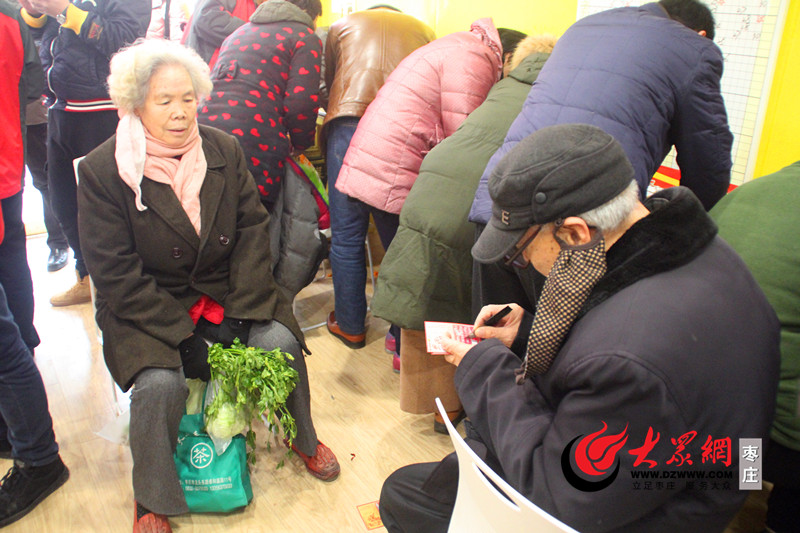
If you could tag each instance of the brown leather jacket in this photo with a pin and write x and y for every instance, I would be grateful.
(362, 49)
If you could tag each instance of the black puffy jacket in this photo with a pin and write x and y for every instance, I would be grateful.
(77, 64)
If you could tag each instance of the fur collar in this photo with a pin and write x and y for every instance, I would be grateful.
(677, 230)
(532, 44)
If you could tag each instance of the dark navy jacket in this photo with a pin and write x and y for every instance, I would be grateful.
(676, 338)
(77, 65)
(645, 79)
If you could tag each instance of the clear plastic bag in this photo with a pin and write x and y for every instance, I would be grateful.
(230, 419)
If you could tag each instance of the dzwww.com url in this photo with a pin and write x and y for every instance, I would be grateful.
(681, 474)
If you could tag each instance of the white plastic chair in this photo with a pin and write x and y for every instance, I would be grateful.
(482, 508)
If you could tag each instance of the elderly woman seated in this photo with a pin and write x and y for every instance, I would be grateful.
(176, 242)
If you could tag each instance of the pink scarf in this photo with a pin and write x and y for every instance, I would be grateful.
(138, 153)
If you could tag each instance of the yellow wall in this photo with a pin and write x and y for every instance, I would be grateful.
(448, 16)
(780, 138)
(528, 16)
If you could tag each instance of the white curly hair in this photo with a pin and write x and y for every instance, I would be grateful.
(133, 66)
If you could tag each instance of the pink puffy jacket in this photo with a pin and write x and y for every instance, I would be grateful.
(424, 100)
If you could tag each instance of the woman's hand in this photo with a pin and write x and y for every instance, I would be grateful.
(506, 330)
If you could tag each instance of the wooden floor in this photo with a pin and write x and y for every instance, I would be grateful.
(354, 404)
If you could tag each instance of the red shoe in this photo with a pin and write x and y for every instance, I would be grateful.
(351, 341)
(390, 343)
(322, 464)
(396, 363)
(150, 523)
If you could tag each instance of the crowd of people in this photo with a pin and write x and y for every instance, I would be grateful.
(500, 170)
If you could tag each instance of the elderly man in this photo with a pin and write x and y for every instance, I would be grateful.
(651, 353)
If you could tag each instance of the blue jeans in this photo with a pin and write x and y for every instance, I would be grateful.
(15, 275)
(23, 400)
(349, 225)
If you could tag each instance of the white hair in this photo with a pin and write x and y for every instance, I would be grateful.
(613, 213)
(133, 66)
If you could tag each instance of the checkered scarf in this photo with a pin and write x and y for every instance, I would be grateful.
(572, 278)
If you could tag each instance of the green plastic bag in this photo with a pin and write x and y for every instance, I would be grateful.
(211, 483)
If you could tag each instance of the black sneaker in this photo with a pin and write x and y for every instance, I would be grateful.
(24, 486)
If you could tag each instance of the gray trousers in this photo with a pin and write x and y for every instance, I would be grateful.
(158, 401)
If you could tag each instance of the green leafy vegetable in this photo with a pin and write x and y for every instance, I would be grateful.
(253, 382)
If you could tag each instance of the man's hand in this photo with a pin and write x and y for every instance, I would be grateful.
(455, 350)
(506, 329)
(51, 7)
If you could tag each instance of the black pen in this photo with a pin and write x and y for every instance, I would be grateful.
(495, 318)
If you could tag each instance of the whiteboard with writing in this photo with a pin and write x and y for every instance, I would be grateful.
(748, 32)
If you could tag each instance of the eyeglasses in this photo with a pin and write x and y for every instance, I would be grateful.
(515, 258)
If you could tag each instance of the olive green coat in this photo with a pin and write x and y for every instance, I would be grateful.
(150, 267)
(759, 220)
(427, 271)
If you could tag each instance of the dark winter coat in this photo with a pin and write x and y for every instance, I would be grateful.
(212, 22)
(298, 247)
(150, 267)
(643, 78)
(677, 337)
(427, 271)
(266, 86)
(77, 64)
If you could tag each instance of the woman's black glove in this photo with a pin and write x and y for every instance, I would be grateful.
(231, 328)
(194, 354)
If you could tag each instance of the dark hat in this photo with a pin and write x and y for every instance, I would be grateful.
(555, 172)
